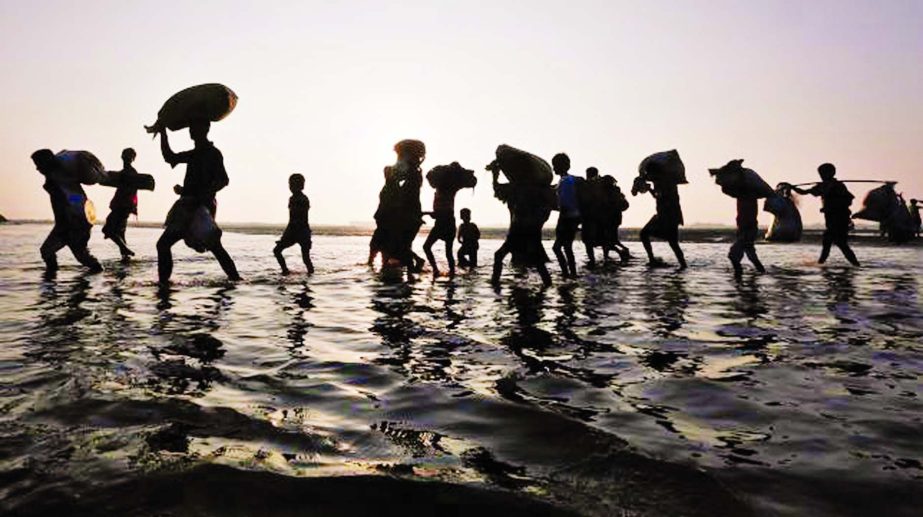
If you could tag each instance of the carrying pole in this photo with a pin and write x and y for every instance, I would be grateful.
(848, 181)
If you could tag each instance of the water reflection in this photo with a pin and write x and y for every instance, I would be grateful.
(301, 303)
(183, 363)
(59, 309)
(665, 300)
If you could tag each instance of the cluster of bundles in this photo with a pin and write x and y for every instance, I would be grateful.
(664, 166)
(451, 177)
(211, 102)
(886, 206)
(522, 167)
(739, 182)
(786, 224)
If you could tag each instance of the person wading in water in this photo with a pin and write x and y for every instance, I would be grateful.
(836, 200)
(205, 176)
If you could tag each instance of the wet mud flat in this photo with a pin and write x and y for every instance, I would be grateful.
(630, 391)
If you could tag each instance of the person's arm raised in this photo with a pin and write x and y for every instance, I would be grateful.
(168, 155)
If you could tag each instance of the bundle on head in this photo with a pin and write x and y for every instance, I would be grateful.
(451, 176)
(521, 167)
(665, 166)
(410, 149)
(205, 102)
(739, 182)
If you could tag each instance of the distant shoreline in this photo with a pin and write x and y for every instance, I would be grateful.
(703, 234)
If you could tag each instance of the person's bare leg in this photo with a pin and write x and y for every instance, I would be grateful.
(543, 272)
(591, 255)
(735, 255)
(450, 258)
(49, 251)
(306, 258)
(499, 256)
(558, 250)
(571, 261)
(646, 242)
(277, 251)
(165, 256)
(754, 259)
(825, 249)
(428, 250)
(674, 245)
(227, 263)
(83, 255)
(847, 252)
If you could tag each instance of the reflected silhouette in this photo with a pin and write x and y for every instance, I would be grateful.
(665, 301)
(748, 300)
(393, 302)
(528, 307)
(59, 309)
(301, 303)
(841, 284)
(184, 364)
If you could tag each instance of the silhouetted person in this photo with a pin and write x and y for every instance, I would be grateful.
(124, 203)
(568, 216)
(388, 199)
(444, 228)
(71, 227)
(836, 200)
(915, 216)
(615, 206)
(205, 176)
(468, 236)
(529, 206)
(298, 231)
(593, 214)
(747, 229)
(410, 156)
(666, 222)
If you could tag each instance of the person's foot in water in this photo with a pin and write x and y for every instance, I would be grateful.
(656, 262)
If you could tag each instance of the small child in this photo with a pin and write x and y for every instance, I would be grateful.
(468, 237)
(298, 230)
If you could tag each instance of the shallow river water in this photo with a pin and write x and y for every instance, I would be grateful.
(630, 391)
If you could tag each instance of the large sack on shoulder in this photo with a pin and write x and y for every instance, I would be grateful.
(202, 233)
(452, 176)
(210, 102)
(663, 166)
(879, 204)
(522, 167)
(786, 224)
(737, 181)
(82, 166)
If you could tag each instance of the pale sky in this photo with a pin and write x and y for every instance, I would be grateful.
(327, 88)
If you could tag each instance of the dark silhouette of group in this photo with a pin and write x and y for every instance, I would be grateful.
(592, 205)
